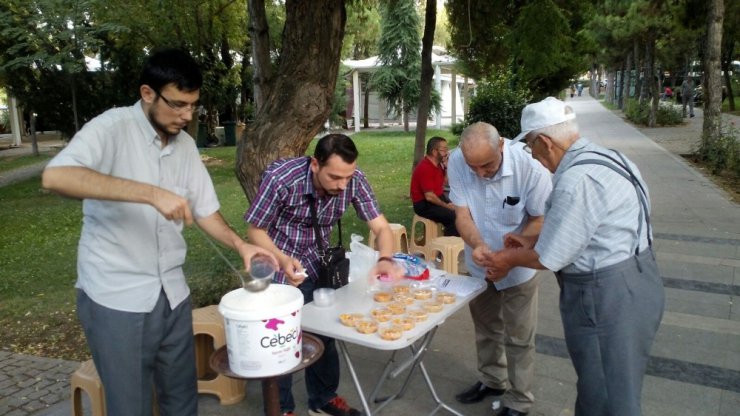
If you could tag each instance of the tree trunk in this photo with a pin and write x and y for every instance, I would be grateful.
(366, 107)
(727, 50)
(259, 33)
(301, 95)
(712, 87)
(34, 140)
(74, 102)
(620, 87)
(638, 70)
(627, 78)
(650, 84)
(592, 90)
(427, 76)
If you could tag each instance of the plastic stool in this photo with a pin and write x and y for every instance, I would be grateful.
(449, 249)
(208, 329)
(86, 378)
(400, 240)
(421, 238)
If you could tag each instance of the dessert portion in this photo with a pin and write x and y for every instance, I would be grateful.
(391, 333)
(446, 297)
(366, 326)
(433, 306)
(423, 294)
(401, 289)
(406, 324)
(383, 297)
(350, 319)
(397, 308)
(404, 298)
(417, 315)
(381, 314)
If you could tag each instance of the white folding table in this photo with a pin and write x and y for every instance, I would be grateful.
(354, 298)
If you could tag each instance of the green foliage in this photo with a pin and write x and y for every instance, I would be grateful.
(500, 103)
(722, 154)
(638, 113)
(398, 81)
(362, 30)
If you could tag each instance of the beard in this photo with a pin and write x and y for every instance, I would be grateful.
(160, 127)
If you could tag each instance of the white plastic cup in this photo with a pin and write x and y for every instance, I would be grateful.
(324, 297)
(261, 268)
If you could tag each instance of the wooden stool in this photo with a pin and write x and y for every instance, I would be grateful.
(448, 249)
(208, 329)
(86, 378)
(400, 240)
(420, 238)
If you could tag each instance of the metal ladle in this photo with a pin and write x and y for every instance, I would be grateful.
(249, 283)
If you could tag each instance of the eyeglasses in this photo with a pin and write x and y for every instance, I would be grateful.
(178, 106)
(528, 145)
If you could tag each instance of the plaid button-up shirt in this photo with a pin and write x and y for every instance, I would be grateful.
(282, 207)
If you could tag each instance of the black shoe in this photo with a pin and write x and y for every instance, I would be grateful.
(478, 392)
(505, 411)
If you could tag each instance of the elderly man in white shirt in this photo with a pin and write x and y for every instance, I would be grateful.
(597, 238)
(140, 177)
(497, 189)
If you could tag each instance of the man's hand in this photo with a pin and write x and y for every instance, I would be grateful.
(248, 251)
(499, 264)
(294, 271)
(392, 270)
(519, 241)
(172, 206)
(480, 255)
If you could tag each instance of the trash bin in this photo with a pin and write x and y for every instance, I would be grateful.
(229, 133)
(202, 138)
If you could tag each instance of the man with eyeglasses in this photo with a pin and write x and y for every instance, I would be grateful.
(497, 189)
(597, 239)
(141, 179)
(427, 187)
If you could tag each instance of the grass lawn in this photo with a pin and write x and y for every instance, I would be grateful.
(38, 245)
(8, 163)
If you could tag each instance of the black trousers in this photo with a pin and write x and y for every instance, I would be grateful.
(436, 213)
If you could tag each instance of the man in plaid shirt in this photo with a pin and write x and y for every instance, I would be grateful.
(280, 221)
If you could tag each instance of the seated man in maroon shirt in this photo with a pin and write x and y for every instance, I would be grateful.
(427, 186)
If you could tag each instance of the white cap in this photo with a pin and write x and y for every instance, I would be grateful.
(545, 113)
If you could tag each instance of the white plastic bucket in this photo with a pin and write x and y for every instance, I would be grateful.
(263, 330)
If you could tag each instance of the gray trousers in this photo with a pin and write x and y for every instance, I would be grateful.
(505, 326)
(610, 319)
(135, 351)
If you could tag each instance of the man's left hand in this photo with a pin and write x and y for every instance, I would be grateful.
(391, 269)
(499, 264)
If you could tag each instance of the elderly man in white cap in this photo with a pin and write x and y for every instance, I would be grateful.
(597, 238)
(497, 188)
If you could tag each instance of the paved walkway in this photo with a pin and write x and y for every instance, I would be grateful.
(695, 363)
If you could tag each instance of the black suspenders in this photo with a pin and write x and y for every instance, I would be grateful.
(626, 173)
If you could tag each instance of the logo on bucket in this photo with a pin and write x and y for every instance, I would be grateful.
(290, 338)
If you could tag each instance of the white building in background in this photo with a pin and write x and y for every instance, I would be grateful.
(452, 89)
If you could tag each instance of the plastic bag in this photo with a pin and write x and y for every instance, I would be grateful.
(362, 258)
(414, 267)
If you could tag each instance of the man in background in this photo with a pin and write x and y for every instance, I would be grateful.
(427, 187)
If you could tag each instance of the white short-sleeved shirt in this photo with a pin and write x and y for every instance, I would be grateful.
(129, 251)
(592, 215)
(519, 176)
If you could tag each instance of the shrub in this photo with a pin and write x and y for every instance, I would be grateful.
(722, 154)
(638, 113)
(4, 122)
(498, 102)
